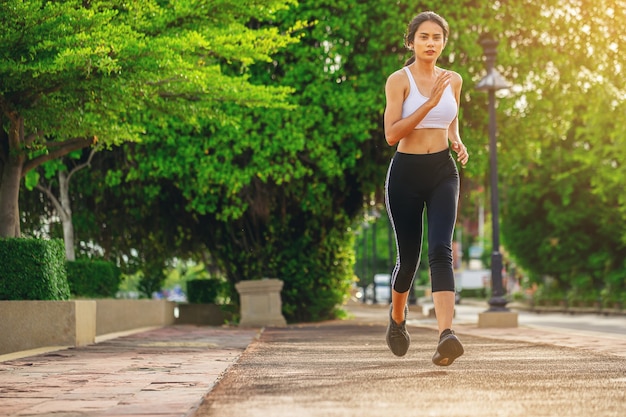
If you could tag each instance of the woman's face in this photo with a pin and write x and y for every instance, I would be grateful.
(428, 42)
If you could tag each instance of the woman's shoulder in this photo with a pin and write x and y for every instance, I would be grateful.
(398, 78)
(398, 74)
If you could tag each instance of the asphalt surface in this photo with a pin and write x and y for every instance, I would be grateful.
(335, 368)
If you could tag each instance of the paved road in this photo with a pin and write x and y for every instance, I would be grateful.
(344, 369)
(596, 323)
(331, 369)
(467, 314)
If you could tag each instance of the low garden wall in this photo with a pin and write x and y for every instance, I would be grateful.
(203, 314)
(119, 315)
(26, 325)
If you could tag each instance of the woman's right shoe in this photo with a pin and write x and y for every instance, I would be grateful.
(398, 339)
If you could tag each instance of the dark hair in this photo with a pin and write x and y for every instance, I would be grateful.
(415, 24)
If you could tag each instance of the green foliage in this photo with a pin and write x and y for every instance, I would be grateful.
(374, 233)
(33, 269)
(244, 188)
(317, 274)
(77, 73)
(204, 291)
(152, 277)
(583, 291)
(313, 256)
(474, 293)
(100, 63)
(614, 291)
(253, 183)
(250, 184)
(549, 293)
(559, 133)
(93, 278)
(560, 230)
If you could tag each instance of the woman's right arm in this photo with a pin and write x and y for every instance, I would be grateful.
(396, 127)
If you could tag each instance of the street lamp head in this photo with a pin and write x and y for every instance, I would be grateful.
(489, 45)
(493, 80)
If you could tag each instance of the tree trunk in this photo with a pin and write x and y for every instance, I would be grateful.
(11, 178)
(63, 205)
(66, 215)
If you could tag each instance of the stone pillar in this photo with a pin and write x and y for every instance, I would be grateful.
(261, 304)
(497, 319)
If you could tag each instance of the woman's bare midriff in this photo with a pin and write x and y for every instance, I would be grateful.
(424, 141)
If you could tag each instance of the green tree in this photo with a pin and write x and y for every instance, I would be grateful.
(273, 193)
(61, 202)
(75, 72)
(560, 131)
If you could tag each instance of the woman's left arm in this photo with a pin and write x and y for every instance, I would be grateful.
(453, 130)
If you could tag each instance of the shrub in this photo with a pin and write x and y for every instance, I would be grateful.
(474, 293)
(317, 276)
(204, 291)
(549, 294)
(93, 278)
(33, 269)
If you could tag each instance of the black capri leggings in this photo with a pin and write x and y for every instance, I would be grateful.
(415, 181)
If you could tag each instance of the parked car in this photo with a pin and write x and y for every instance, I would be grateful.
(381, 287)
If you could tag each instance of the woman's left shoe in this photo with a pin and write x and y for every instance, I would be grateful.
(448, 349)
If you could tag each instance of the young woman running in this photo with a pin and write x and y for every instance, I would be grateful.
(421, 116)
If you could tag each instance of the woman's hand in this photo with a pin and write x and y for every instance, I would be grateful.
(461, 152)
(442, 81)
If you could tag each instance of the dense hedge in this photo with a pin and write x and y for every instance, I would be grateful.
(318, 273)
(204, 291)
(33, 269)
(89, 278)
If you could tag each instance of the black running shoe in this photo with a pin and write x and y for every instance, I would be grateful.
(398, 338)
(448, 349)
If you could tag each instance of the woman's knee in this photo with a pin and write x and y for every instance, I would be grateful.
(404, 278)
(439, 253)
(442, 273)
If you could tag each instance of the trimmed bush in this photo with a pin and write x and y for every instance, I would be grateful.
(204, 291)
(33, 269)
(474, 293)
(93, 278)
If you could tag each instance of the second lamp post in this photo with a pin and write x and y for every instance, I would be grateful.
(492, 82)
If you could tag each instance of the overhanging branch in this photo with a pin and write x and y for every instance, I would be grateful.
(83, 165)
(55, 202)
(28, 140)
(57, 150)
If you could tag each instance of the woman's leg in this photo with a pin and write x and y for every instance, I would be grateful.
(398, 303)
(444, 309)
(442, 207)
(407, 225)
(405, 207)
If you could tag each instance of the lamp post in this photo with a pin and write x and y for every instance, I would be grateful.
(492, 82)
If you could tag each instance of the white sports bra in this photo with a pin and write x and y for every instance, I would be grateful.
(440, 116)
